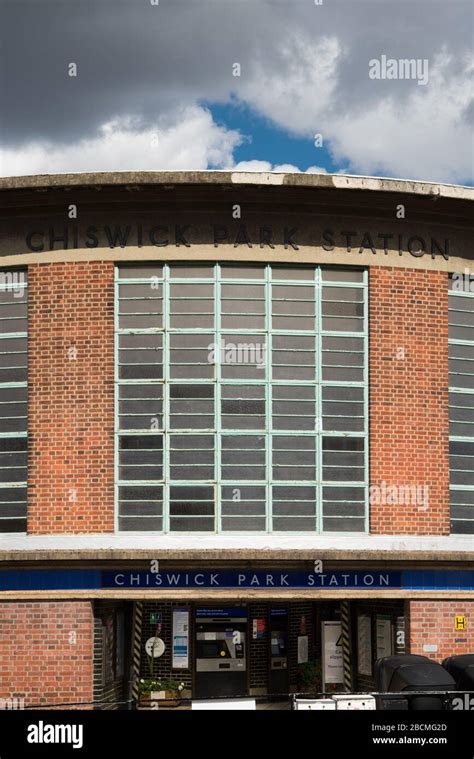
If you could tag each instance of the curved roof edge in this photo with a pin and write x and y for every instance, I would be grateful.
(230, 178)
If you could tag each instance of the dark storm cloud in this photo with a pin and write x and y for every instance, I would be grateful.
(135, 58)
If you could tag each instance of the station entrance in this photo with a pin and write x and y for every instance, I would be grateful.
(268, 649)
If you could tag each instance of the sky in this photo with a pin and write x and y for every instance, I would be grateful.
(255, 85)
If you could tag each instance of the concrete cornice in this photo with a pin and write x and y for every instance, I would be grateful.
(440, 549)
(135, 179)
(236, 595)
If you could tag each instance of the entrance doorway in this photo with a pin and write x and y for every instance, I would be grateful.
(221, 652)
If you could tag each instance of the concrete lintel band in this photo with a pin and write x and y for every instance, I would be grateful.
(219, 596)
(307, 255)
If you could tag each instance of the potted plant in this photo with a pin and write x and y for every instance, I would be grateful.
(152, 689)
(310, 677)
(166, 689)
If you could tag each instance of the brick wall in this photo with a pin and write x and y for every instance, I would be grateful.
(432, 622)
(408, 356)
(38, 659)
(71, 399)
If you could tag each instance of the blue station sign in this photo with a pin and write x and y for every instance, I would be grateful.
(97, 579)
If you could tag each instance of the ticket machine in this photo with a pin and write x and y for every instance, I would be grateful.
(221, 652)
(278, 639)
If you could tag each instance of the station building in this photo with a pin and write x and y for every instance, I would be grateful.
(236, 420)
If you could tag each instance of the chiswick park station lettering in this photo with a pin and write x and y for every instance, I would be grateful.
(71, 237)
(252, 579)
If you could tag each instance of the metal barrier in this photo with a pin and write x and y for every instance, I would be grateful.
(452, 700)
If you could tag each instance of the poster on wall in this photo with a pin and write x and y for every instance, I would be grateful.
(383, 628)
(258, 628)
(333, 668)
(302, 649)
(364, 645)
(180, 639)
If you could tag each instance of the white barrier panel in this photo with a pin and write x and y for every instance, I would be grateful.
(315, 704)
(231, 704)
(351, 701)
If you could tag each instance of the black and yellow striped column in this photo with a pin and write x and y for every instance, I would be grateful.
(346, 644)
(137, 625)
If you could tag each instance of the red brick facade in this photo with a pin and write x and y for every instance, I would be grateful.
(408, 361)
(84, 650)
(71, 414)
(71, 450)
(71, 397)
(46, 652)
(434, 622)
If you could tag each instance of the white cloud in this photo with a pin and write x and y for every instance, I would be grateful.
(301, 90)
(283, 168)
(419, 132)
(188, 140)
(397, 129)
(424, 136)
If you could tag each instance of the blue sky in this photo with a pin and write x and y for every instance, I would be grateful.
(263, 141)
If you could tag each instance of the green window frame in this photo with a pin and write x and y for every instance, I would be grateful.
(461, 408)
(13, 400)
(277, 444)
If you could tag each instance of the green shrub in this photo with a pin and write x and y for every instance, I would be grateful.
(165, 683)
(310, 676)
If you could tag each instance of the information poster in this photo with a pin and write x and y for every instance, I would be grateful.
(333, 666)
(364, 645)
(180, 639)
(384, 636)
(258, 628)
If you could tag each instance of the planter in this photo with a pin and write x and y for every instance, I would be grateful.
(172, 699)
(167, 699)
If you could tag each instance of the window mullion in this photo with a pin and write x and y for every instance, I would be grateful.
(318, 401)
(217, 398)
(268, 403)
(166, 400)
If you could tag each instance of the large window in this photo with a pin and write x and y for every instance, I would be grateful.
(241, 399)
(13, 400)
(461, 407)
